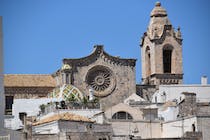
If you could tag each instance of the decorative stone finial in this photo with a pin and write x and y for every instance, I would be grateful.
(157, 4)
(158, 11)
(178, 33)
(66, 67)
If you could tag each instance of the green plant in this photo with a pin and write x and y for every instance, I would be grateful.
(42, 108)
(85, 100)
(96, 100)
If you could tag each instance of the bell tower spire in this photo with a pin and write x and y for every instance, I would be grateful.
(161, 50)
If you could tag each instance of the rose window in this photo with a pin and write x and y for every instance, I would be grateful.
(101, 80)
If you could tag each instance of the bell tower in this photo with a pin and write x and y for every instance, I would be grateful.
(161, 50)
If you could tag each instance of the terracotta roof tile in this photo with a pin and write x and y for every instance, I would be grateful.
(64, 116)
(29, 80)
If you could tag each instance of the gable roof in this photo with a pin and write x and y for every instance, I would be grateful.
(29, 80)
(63, 116)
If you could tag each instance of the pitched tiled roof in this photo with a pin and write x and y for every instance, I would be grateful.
(29, 80)
(64, 116)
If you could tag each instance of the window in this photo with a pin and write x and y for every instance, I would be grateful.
(67, 79)
(22, 116)
(63, 78)
(148, 63)
(122, 116)
(8, 106)
(167, 61)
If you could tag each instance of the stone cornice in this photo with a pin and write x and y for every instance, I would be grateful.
(167, 76)
(99, 52)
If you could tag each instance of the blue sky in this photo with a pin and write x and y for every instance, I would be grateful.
(38, 34)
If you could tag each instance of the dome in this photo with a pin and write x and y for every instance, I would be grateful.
(67, 92)
(158, 11)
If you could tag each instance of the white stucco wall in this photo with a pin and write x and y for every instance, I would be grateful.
(48, 128)
(83, 112)
(98, 118)
(177, 128)
(169, 114)
(144, 129)
(29, 106)
(174, 92)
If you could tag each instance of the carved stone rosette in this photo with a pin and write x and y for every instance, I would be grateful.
(102, 80)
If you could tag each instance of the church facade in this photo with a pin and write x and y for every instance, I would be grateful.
(112, 79)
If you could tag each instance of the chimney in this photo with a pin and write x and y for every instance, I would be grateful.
(204, 80)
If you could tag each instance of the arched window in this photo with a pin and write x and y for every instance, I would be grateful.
(122, 116)
(148, 61)
(167, 59)
(67, 79)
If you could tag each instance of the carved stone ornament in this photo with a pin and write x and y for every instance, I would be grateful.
(101, 80)
(98, 52)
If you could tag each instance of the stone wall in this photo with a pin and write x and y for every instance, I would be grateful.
(203, 126)
(188, 106)
(71, 136)
(125, 82)
(203, 109)
(13, 135)
(46, 137)
(146, 91)
(122, 80)
(65, 130)
(83, 127)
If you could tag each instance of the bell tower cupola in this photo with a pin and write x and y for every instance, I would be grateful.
(161, 50)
